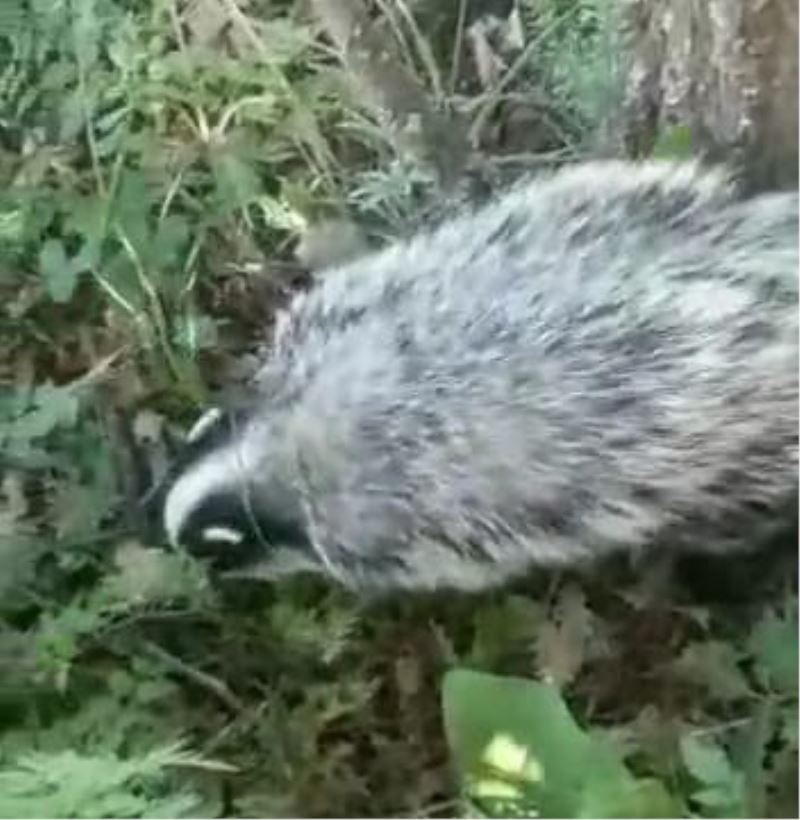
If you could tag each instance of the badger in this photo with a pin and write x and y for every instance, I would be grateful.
(602, 359)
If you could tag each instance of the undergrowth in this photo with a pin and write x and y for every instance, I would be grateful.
(157, 161)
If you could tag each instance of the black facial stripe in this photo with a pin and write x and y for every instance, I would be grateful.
(216, 434)
(261, 530)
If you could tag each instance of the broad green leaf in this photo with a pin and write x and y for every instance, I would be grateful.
(131, 209)
(170, 241)
(87, 32)
(235, 179)
(706, 761)
(86, 216)
(71, 116)
(720, 801)
(722, 788)
(60, 276)
(13, 16)
(748, 753)
(774, 644)
(519, 751)
(12, 225)
(52, 407)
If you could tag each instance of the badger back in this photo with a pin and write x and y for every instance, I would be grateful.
(597, 360)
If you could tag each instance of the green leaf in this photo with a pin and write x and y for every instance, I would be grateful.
(715, 666)
(774, 644)
(674, 142)
(706, 761)
(715, 797)
(87, 217)
(68, 784)
(749, 753)
(235, 179)
(722, 788)
(13, 16)
(131, 210)
(170, 241)
(78, 508)
(71, 116)
(60, 276)
(52, 407)
(519, 751)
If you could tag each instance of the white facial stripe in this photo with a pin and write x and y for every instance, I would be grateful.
(218, 471)
(202, 424)
(226, 534)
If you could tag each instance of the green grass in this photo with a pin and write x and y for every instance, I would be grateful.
(147, 168)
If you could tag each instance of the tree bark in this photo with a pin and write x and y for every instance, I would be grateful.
(726, 70)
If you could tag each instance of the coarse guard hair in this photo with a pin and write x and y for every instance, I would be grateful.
(600, 359)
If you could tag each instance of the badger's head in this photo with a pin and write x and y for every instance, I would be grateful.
(223, 502)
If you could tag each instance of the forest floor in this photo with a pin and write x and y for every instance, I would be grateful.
(160, 162)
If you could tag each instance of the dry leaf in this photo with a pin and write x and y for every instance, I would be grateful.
(408, 676)
(562, 641)
(148, 426)
(489, 66)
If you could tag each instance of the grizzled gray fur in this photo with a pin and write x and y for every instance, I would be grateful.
(599, 360)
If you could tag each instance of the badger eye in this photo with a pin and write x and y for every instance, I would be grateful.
(227, 535)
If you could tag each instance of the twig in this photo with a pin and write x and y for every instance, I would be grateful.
(98, 371)
(391, 90)
(424, 49)
(158, 317)
(238, 722)
(451, 803)
(397, 30)
(323, 157)
(493, 95)
(214, 685)
(113, 293)
(175, 20)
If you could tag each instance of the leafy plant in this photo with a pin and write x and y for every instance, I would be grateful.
(673, 143)
(520, 753)
(578, 61)
(67, 784)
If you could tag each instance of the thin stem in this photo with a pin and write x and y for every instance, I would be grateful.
(458, 46)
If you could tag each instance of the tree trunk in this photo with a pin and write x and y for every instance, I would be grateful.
(726, 70)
